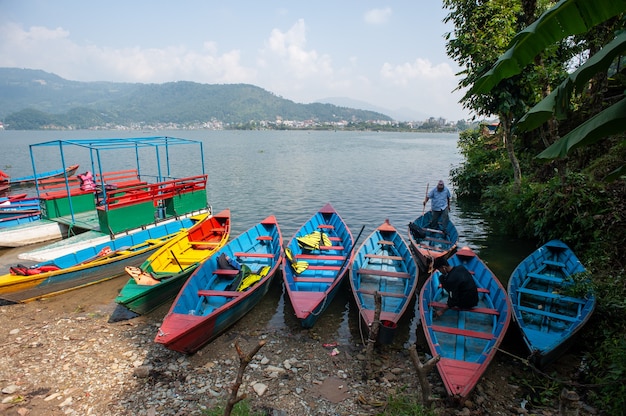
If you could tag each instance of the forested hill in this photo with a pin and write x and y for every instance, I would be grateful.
(33, 99)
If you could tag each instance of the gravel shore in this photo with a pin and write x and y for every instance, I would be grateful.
(62, 356)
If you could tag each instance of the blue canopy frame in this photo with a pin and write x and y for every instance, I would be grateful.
(160, 144)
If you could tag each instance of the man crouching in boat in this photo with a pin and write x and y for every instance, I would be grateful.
(460, 285)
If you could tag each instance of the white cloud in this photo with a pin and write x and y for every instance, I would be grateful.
(377, 16)
(53, 51)
(420, 69)
(290, 49)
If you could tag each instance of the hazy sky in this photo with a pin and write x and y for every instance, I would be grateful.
(390, 54)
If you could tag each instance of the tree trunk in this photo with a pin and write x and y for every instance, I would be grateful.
(507, 137)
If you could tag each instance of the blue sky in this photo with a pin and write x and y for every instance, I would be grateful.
(389, 54)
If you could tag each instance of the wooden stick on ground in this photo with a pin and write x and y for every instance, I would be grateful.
(422, 371)
(244, 360)
(369, 351)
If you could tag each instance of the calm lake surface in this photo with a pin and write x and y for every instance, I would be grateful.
(367, 176)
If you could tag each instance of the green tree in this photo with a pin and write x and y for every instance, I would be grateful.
(567, 18)
(482, 31)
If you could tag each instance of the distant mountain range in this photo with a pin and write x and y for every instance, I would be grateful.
(399, 114)
(37, 99)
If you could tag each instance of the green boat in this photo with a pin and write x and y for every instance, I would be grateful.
(162, 275)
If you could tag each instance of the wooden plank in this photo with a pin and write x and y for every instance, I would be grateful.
(462, 332)
(320, 257)
(382, 256)
(258, 255)
(336, 248)
(550, 295)
(315, 267)
(300, 279)
(554, 263)
(545, 277)
(548, 314)
(204, 243)
(488, 311)
(383, 294)
(387, 273)
(226, 272)
(227, 293)
(264, 238)
(385, 243)
(326, 226)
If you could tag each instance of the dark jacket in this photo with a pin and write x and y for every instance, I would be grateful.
(462, 290)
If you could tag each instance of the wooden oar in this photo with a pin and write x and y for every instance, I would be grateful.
(424, 208)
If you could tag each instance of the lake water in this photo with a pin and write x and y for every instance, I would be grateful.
(367, 176)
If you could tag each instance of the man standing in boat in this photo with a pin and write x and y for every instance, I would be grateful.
(440, 205)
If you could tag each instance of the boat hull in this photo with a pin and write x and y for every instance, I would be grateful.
(311, 290)
(466, 340)
(383, 264)
(433, 243)
(214, 297)
(546, 314)
(186, 251)
(88, 266)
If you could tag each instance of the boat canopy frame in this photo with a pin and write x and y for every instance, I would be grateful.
(95, 146)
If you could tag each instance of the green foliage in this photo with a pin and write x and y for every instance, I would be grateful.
(240, 409)
(538, 390)
(402, 404)
(485, 163)
(606, 361)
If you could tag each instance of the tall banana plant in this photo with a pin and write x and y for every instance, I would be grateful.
(566, 18)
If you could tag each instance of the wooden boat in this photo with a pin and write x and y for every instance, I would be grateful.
(88, 266)
(466, 340)
(429, 244)
(315, 263)
(30, 179)
(223, 289)
(383, 264)
(18, 211)
(163, 274)
(551, 300)
(122, 201)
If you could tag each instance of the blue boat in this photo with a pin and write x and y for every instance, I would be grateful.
(551, 300)
(223, 289)
(429, 244)
(383, 264)
(316, 260)
(20, 211)
(31, 179)
(89, 265)
(466, 340)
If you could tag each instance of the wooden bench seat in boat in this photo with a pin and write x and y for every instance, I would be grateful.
(382, 257)
(373, 272)
(259, 255)
(318, 257)
(300, 279)
(554, 263)
(548, 314)
(331, 248)
(548, 295)
(227, 293)
(226, 272)
(488, 311)
(463, 332)
(316, 267)
(383, 294)
(545, 277)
